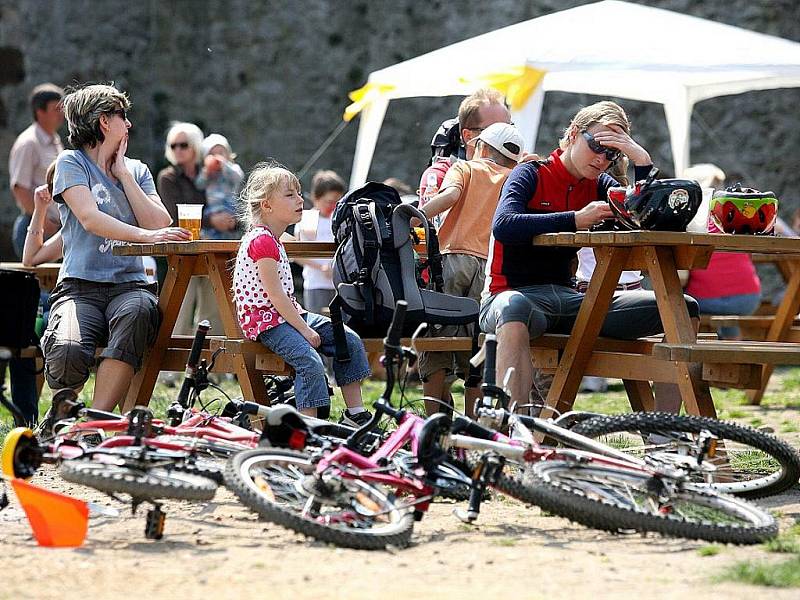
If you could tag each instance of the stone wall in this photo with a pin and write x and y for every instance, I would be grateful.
(273, 76)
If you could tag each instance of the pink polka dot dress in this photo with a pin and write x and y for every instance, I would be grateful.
(253, 307)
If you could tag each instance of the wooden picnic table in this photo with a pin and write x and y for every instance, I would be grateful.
(213, 259)
(46, 273)
(661, 254)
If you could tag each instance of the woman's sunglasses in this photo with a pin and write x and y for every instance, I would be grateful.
(121, 112)
(612, 154)
(181, 145)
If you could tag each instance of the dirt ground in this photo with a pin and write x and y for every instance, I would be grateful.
(220, 550)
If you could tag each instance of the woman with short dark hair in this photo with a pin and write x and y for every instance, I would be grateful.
(104, 198)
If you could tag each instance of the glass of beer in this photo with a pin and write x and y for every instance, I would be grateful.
(189, 217)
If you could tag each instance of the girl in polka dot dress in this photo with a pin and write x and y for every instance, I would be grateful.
(267, 308)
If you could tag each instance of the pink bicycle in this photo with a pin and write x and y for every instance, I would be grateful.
(359, 496)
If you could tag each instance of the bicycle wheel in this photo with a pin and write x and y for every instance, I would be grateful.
(617, 500)
(283, 488)
(744, 462)
(140, 483)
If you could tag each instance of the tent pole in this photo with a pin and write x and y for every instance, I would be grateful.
(527, 118)
(678, 111)
(368, 130)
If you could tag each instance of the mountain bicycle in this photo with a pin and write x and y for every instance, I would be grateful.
(364, 498)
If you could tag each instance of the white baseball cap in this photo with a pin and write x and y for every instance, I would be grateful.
(505, 138)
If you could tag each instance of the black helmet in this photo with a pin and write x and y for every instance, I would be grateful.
(447, 140)
(663, 204)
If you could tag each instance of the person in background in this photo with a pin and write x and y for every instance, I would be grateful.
(470, 192)
(220, 178)
(476, 112)
(407, 195)
(729, 285)
(22, 371)
(268, 311)
(176, 185)
(32, 152)
(327, 188)
(104, 198)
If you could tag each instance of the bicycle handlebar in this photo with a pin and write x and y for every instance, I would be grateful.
(489, 370)
(191, 364)
(392, 338)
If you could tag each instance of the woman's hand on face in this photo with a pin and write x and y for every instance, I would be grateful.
(42, 198)
(118, 168)
(617, 138)
(167, 234)
(312, 337)
(222, 221)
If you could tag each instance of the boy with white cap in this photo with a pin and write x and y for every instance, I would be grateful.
(220, 177)
(470, 192)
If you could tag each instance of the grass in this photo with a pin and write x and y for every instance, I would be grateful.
(710, 550)
(787, 542)
(782, 574)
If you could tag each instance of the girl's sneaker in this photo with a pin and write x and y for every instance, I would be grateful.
(358, 419)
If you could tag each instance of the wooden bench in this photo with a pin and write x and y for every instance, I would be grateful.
(174, 360)
(753, 327)
(741, 362)
(634, 361)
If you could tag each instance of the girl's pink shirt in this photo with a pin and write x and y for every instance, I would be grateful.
(255, 311)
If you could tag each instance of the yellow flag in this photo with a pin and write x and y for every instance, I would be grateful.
(363, 96)
(516, 83)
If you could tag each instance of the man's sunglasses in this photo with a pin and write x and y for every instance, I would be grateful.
(181, 145)
(612, 154)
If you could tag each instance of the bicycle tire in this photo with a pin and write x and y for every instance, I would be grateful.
(754, 464)
(141, 484)
(203, 468)
(270, 482)
(605, 498)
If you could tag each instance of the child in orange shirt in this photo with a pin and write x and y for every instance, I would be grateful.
(470, 192)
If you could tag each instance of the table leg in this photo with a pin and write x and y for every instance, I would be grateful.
(250, 380)
(640, 395)
(678, 328)
(588, 323)
(179, 273)
(781, 324)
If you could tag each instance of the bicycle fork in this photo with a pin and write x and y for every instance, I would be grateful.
(485, 473)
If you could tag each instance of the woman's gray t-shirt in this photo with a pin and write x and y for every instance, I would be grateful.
(88, 256)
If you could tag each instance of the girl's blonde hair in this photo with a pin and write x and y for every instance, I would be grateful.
(264, 180)
(601, 113)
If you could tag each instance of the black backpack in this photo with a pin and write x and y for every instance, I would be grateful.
(19, 303)
(374, 266)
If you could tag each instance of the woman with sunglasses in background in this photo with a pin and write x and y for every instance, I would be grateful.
(529, 289)
(103, 198)
(176, 185)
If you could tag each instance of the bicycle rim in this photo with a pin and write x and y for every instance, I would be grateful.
(743, 461)
(617, 499)
(283, 488)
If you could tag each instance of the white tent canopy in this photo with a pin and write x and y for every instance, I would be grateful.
(609, 48)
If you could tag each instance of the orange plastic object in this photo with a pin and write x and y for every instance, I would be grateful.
(57, 520)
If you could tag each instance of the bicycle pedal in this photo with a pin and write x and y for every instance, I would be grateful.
(154, 524)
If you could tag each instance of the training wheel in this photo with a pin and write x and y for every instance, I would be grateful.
(21, 455)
